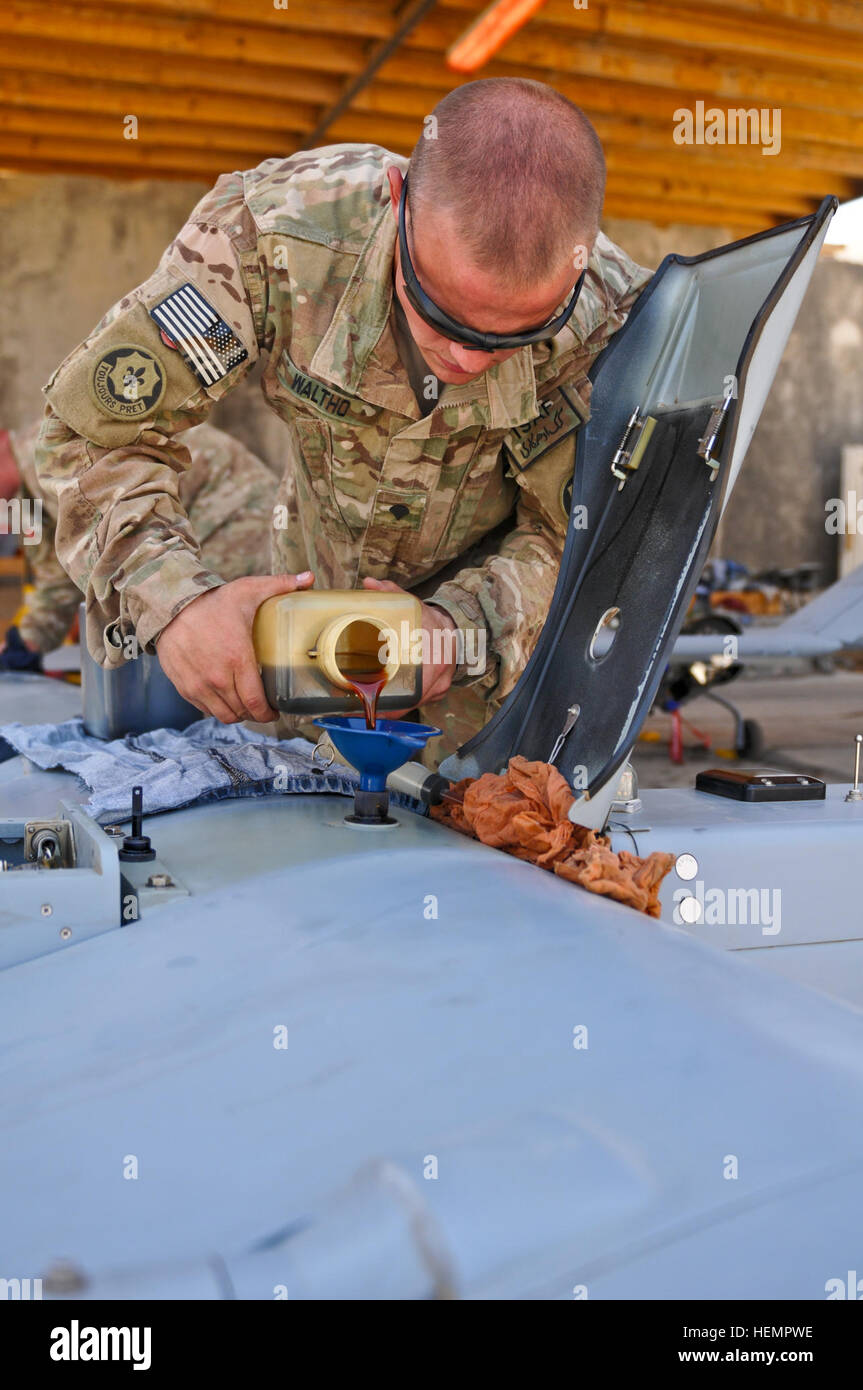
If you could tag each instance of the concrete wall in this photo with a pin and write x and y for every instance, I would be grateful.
(776, 514)
(70, 247)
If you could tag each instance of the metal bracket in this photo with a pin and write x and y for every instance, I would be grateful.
(592, 809)
(708, 441)
(571, 715)
(630, 450)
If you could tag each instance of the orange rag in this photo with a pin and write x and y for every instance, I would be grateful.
(525, 811)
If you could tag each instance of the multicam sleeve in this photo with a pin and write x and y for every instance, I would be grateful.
(501, 605)
(52, 599)
(108, 454)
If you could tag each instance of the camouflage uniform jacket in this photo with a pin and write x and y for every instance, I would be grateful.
(227, 492)
(294, 259)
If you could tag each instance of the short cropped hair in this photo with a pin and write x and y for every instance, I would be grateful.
(521, 168)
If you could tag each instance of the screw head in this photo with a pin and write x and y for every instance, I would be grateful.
(46, 909)
(686, 866)
(65, 933)
(690, 910)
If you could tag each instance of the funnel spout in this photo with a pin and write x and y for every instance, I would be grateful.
(375, 753)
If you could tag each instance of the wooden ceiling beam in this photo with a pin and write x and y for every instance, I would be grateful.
(610, 99)
(50, 87)
(678, 26)
(731, 221)
(831, 14)
(256, 86)
(810, 45)
(746, 182)
(378, 20)
(101, 100)
(658, 190)
(107, 127)
(733, 80)
(129, 36)
(164, 72)
(758, 187)
(132, 30)
(835, 15)
(387, 93)
(409, 16)
(360, 17)
(197, 164)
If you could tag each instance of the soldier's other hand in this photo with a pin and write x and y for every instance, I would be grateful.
(207, 649)
(437, 676)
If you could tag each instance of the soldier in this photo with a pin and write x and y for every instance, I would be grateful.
(227, 492)
(427, 341)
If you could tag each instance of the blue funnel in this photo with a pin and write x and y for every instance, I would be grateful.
(377, 752)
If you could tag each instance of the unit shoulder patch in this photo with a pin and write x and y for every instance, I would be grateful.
(128, 381)
(557, 419)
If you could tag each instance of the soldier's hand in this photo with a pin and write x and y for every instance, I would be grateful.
(207, 649)
(437, 676)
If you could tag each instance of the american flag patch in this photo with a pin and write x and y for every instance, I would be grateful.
(208, 345)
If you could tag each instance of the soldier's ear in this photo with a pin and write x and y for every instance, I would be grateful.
(394, 176)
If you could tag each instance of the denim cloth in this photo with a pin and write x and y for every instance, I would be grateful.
(208, 761)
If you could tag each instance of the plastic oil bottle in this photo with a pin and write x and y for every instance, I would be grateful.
(328, 651)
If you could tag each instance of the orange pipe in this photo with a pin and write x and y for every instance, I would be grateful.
(489, 33)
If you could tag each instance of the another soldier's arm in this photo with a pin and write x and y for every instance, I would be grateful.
(53, 602)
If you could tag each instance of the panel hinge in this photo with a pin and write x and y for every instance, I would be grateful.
(630, 450)
(707, 443)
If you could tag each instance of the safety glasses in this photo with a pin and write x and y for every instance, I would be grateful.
(459, 332)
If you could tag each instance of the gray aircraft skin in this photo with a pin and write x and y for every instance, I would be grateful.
(332, 1061)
